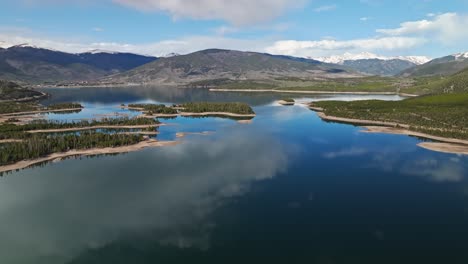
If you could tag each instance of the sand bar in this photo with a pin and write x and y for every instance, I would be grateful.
(249, 121)
(283, 102)
(445, 147)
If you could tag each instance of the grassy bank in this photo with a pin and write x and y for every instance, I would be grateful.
(444, 115)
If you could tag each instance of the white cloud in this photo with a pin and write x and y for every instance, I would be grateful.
(446, 28)
(239, 12)
(160, 48)
(351, 152)
(223, 30)
(435, 170)
(97, 29)
(190, 44)
(325, 8)
(365, 18)
(329, 47)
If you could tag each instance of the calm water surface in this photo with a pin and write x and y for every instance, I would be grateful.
(286, 188)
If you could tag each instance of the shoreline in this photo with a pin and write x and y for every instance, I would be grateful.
(442, 144)
(39, 112)
(26, 99)
(285, 103)
(352, 121)
(187, 114)
(309, 92)
(445, 147)
(73, 129)
(88, 152)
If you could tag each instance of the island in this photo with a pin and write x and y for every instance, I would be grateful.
(194, 109)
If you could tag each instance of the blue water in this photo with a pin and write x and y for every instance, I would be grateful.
(288, 188)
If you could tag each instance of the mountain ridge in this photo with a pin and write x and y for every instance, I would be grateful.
(442, 66)
(214, 64)
(26, 63)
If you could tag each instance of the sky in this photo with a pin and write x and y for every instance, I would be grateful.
(303, 28)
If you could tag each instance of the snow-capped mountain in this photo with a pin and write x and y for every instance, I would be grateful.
(442, 66)
(461, 56)
(340, 59)
(169, 55)
(98, 51)
(26, 62)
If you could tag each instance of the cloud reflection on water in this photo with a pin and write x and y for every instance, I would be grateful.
(65, 208)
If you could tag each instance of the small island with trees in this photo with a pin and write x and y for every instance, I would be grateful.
(222, 109)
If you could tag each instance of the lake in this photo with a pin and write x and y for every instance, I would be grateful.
(286, 188)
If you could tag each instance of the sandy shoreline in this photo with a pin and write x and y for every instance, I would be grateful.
(400, 131)
(282, 102)
(26, 99)
(88, 152)
(73, 129)
(188, 113)
(217, 114)
(39, 112)
(325, 117)
(446, 145)
(306, 92)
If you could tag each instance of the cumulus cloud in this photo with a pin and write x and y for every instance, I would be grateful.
(327, 47)
(446, 28)
(160, 48)
(190, 44)
(240, 12)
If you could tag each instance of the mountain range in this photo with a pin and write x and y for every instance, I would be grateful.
(216, 64)
(33, 65)
(372, 64)
(37, 65)
(439, 67)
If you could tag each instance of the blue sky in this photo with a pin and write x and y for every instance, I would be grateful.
(293, 27)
